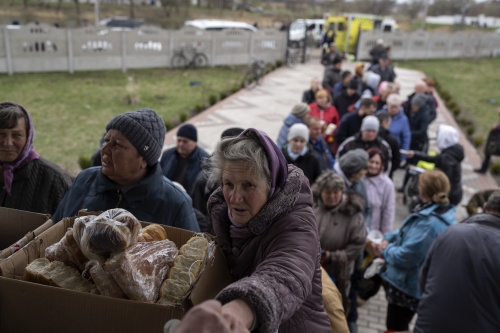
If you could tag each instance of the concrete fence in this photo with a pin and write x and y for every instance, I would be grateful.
(438, 45)
(43, 48)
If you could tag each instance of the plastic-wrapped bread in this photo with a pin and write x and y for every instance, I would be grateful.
(186, 269)
(57, 274)
(112, 231)
(104, 281)
(153, 232)
(140, 269)
(67, 251)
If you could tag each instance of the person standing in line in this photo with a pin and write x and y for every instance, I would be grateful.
(319, 146)
(308, 96)
(298, 115)
(492, 147)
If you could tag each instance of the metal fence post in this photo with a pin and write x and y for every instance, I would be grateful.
(69, 43)
(8, 58)
(124, 52)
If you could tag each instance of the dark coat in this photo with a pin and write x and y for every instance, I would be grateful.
(349, 125)
(169, 161)
(449, 162)
(309, 163)
(419, 122)
(321, 150)
(386, 73)
(277, 269)
(308, 97)
(393, 143)
(344, 103)
(459, 279)
(37, 187)
(431, 104)
(154, 199)
(355, 142)
(330, 78)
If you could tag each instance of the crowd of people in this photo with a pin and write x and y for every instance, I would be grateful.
(293, 215)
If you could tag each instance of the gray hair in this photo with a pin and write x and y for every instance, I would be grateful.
(328, 180)
(245, 149)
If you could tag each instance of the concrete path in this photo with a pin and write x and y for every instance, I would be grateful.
(265, 108)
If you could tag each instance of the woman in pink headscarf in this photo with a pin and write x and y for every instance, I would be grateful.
(27, 181)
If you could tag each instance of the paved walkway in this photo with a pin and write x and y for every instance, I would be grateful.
(265, 108)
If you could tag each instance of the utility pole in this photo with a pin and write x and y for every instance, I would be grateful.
(426, 8)
(96, 12)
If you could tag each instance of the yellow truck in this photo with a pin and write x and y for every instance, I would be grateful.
(348, 26)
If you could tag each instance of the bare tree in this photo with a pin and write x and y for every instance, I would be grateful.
(412, 8)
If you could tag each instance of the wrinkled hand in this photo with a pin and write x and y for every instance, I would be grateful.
(410, 153)
(207, 317)
(380, 247)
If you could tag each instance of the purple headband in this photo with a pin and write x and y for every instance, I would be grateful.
(27, 154)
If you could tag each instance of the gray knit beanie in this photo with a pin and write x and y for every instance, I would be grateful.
(354, 161)
(145, 129)
(301, 110)
(298, 131)
(419, 100)
(370, 123)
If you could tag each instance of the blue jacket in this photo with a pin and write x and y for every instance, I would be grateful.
(320, 148)
(400, 128)
(408, 247)
(154, 199)
(169, 160)
(288, 122)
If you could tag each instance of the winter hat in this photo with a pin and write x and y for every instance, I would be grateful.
(298, 130)
(419, 100)
(337, 60)
(345, 74)
(231, 132)
(145, 129)
(188, 131)
(301, 110)
(393, 99)
(370, 123)
(447, 136)
(353, 84)
(354, 161)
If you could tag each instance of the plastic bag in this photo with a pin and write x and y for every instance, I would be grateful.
(103, 280)
(67, 251)
(112, 231)
(140, 269)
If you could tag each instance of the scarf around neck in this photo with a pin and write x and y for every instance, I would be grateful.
(27, 154)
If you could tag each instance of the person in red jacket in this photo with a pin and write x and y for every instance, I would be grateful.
(323, 109)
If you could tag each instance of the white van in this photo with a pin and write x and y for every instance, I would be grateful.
(219, 25)
(298, 28)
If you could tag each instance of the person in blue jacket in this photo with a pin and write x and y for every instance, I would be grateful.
(297, 116)
(183, 163)
(130, 176)
(404, 250)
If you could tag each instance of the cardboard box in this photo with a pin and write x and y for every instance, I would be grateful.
(18, 228)
(30, 307)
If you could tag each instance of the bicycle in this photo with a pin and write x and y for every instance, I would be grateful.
(254, 75)
(291, 57)
(188, 57)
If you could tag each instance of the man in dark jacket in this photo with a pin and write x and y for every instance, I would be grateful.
(351, 123)
(183, 163)
(319, 146)
(383, 132)
(459, 278)
(419, 122)
(384, 69)
(366, 139)
(421, 88)
(344, 103)
(377, 51)
(308, 96)
(131, 177)
(332, 75)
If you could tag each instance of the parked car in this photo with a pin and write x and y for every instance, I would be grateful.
(121, 22)
(219, 25)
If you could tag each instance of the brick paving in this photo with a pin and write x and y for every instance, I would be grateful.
(265, 108)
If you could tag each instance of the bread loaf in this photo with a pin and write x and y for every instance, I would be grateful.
(153, 232)
(140, 269)
(104, 281)
(59, 275)
(67, 251)
(185, 271)
(112, 231)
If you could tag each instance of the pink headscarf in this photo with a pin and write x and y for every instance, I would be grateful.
(27, 154)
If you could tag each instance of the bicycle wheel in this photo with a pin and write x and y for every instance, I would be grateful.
(178, 61)
(200, 60)
(249, 81)
(291, 61)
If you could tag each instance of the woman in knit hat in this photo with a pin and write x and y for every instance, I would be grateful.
(130, 176)
(298, 152)
(27, 181)
(323, 109)
(298, 115)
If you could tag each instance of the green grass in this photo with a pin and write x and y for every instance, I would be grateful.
(70, 112)
(472, 84)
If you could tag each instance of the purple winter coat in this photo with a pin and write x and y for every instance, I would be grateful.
(277, 269)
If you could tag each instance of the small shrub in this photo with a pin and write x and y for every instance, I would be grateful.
(212, 99)
(168, 124)
(452, 104)
(198, 108)
(183, 116)
(495, 168)
(131, 96)
(234, 90)
(84, 162)
(455, 111)
(470, 130)
(463, 121)
(445, 95)
(279, 62)
(477, 141)
(223, 95)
